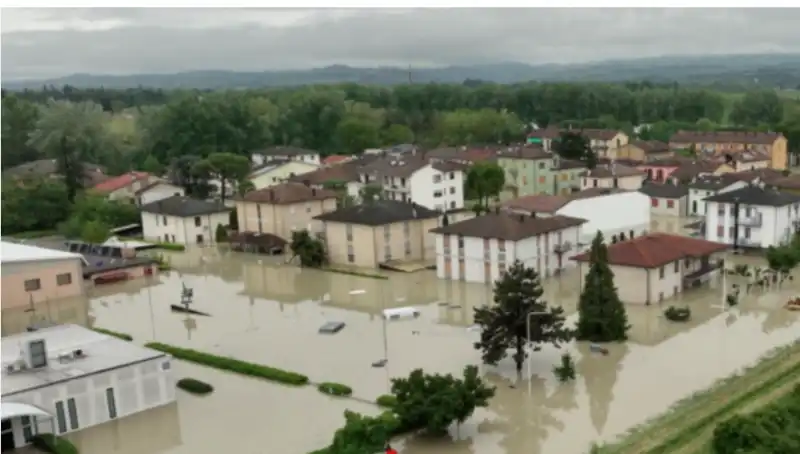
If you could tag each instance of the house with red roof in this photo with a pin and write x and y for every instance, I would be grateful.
(125, 186)
(335, 159)
(654, 267)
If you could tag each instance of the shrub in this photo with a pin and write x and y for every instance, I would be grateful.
(386, 401)
(678, 314)
(194, 386)
(566, 371)
(52, 444)
(116, 334)
(335, 389)
(171, 246)
(231, 364)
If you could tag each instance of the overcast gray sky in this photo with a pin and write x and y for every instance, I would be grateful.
(56, 42)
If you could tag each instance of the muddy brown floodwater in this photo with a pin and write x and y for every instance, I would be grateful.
(269, 313)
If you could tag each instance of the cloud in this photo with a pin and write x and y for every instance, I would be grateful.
(50, 43)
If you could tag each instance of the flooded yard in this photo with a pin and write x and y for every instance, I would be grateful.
(269, 313)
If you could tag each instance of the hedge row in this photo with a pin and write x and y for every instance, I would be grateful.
(31, 234)
(356, 273)
(170, 246)
(53, 444)
(335, 389)
(231, 364)
(386, 401)
(194, 386)
(116, 334)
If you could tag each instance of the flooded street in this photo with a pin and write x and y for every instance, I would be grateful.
(269, 313)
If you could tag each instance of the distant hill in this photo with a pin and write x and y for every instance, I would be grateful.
(772, 70)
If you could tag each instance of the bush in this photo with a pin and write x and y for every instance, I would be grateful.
(231, 364)
(118, 335)
(335, 389)
(170, 246)
(52, 444)
(31, 234)
(678, 314)
(194, 386)
(386, 401)
(357, 273)
(566, 371)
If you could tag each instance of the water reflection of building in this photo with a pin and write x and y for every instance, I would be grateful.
(284, 283)
(73, 310)
(458, 301)
(600, 373)
(66, 378)
(373, 295)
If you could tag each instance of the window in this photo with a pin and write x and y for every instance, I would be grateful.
(678, 266)
(387, 232)
(308, 208)
(402, 182)
(173, 238)
(64, 279)
(616, 182)
(452, 175)
(408, 248)
(166, 238)
(199, 239)
(461, 242)
(661, 273)
(654, 202)
(437, 193)
(541, 165)
(670, 204)
(406, 228)
(111, 402)
(32, 285)
(387, 252)
(349, 230)
(27, 428)
(452, 189)
(747, 232)
(156, 221)
(61, 417)
(258, 211)
(197, 221)
(631, 236)
(542, 179)
(452, 205)
(164, 220)
(594, 182)
(437, 178)
(72, 409)
(721, 231)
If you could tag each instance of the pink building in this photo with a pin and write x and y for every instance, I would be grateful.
(658, 171)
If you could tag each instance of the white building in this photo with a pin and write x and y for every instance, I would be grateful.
(707, 185)
(666, 199)
(277, 172)
(658, 266)
(158, 190)
(617, 214)
(183, 220)
(482, 248)
(765, 217)
(66, 378)
(286, 153)
(613, 176)
(414, 178)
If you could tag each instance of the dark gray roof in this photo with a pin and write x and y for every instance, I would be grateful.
(712, 182)
(664, 191)
(379, 212)
(756, 195)
(184, 206)
(506, 226)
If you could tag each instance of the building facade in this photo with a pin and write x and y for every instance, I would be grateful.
(528, 171)
(567, 176)
(183, 220)
(613, 176)
(667, 199)
(158, 190)
(706, 186)
(279, 172)
(720, 143)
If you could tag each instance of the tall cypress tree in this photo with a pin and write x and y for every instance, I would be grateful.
(602, 316)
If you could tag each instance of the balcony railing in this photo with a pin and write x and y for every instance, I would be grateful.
(748, 242)
(704, 269)
(752, 221)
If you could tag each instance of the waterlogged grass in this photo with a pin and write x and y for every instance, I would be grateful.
(677, 426)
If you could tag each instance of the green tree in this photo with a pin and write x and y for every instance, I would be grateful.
(310, 250)
(397, 134)
(244, 186)
(353, 135)
(370, 193)
(19, 119)
(518, 304)
(484, 181)
(566, 370)
(363, 434)
(225, 167)
(185, 172)
(757, 107)
(601, 314)
(93, 208)
(574, 145)
(221, 234)
(152, 165)
(33, 204)
(95, 232)
(433, 401)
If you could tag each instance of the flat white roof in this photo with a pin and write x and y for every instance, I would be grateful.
(102, 353)
(14, 409)
(17, 252)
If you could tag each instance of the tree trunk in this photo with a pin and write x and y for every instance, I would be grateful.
(519, 358)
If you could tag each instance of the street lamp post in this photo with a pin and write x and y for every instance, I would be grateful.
(383, 319)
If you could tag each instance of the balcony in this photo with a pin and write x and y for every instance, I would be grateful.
(751, 221)
(702, 274)
(563, 247)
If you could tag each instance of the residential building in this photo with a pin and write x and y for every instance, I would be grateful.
(720, 143)
(752, 216)
(157, 190)
(124, 187)
(618, 214)
(32, 275)
(743, 161)
(183, 220)
(790, 183)
(642, 151)
(482, 248)
(567, 176)
(660, 171)
(283, 209)
(286, 153)
(379, 232)
(613, 176)
(658, 266)
(529, 171)
(466, 155)
(414, 177)
(48, 168)
(707, 185)
(66, 378)
(667, 199)
(691, 169)
(602, 141)
(275, 172)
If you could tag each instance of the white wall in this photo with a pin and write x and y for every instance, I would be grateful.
(776, 224)
(182, 230)
(160, 192)
(537, 252)
(136, 388)
(451, 188)
(611, 214)
(697, 195)
(279, 174)
(662, 208)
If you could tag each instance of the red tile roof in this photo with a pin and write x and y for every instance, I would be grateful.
(335, 159)
(114, 183)
(656, 250)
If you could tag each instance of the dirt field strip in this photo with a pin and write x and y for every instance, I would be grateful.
(695, 411)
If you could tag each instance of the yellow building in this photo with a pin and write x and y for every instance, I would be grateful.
(642, 151)
(720, 143)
